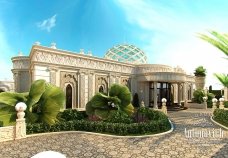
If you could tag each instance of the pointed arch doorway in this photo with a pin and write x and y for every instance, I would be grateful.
(69, 93)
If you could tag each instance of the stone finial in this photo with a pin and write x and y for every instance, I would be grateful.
(221, 103)
(214, 100)
(90, 53)
(81, 51)
(205, 102)
(20, 108)
(20, 53)
(164, 108)
(53, 45)
(20, 131)
(37, 43)
(142, 104)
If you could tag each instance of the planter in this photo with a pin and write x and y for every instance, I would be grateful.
(199, 82)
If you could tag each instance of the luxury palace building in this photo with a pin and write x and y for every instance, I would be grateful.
(82, 75)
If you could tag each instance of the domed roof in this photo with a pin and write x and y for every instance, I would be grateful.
(126, 53)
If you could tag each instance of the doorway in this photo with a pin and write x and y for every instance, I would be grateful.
(68, 96)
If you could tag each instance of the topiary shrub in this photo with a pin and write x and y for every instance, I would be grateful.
(119, 117)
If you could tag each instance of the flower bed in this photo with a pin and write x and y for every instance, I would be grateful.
(221, 116)
(156, 123)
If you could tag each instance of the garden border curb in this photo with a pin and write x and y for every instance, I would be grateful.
(106, 135)
(218, 123)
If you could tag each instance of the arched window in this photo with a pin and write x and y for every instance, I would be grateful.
(101, 89)
(68, 96)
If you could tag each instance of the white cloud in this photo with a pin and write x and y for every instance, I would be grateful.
(171, 37)
(47, 24)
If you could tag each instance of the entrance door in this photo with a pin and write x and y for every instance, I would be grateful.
(163, 91)
(68, 96)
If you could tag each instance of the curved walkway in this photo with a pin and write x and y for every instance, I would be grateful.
(175, 144)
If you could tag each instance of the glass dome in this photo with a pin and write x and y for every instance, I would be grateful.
(126, 53)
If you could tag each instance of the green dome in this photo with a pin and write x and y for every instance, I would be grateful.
(126, 53)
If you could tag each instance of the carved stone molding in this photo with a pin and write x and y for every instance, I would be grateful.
(49, 57)
(21, 64)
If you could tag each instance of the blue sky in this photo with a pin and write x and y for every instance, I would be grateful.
(166, 29)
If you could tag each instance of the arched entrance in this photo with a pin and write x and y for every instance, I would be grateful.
(1, 90)
(68, 96)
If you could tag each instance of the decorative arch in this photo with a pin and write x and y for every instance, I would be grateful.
(126, 82)
(69, 84)
(102, 84)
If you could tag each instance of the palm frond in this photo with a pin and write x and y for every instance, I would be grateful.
(223, 78)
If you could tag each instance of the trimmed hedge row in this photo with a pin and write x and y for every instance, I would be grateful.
(150, 127)
(221, 116)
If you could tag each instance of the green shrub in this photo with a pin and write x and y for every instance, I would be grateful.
(71, 114)
(226, 104)
(119, 117)
(221, 116)
(103, 127)
(147, 114)
(198, 97)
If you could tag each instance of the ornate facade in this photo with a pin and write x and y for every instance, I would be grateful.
(82, 75)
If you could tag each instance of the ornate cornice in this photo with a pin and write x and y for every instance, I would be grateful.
(80, 61)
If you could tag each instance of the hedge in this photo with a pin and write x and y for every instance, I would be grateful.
(150, 127)
(221, 116)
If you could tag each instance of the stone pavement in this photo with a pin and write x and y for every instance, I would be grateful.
(175, 144)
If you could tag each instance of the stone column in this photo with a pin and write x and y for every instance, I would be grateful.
(20, 129)
(82, 89)
(15, 78)
(214, 101)
(111, 79)
(191, 91)
(185, 93)
(179, 93)
(53, 76)
(226, 93)
(91, 85)
(155, 96)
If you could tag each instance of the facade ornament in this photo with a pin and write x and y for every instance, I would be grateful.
(53, 45)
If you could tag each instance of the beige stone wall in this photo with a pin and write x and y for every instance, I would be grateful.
(7, 133)
(226, 93)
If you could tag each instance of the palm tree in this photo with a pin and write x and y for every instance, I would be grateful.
(103, 106)
(221, 42)
(44, 101)
(218, 40)
(223, 78)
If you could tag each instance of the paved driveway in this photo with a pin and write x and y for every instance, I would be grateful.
(176, 144)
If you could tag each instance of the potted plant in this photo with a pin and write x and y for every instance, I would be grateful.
(200, 75)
